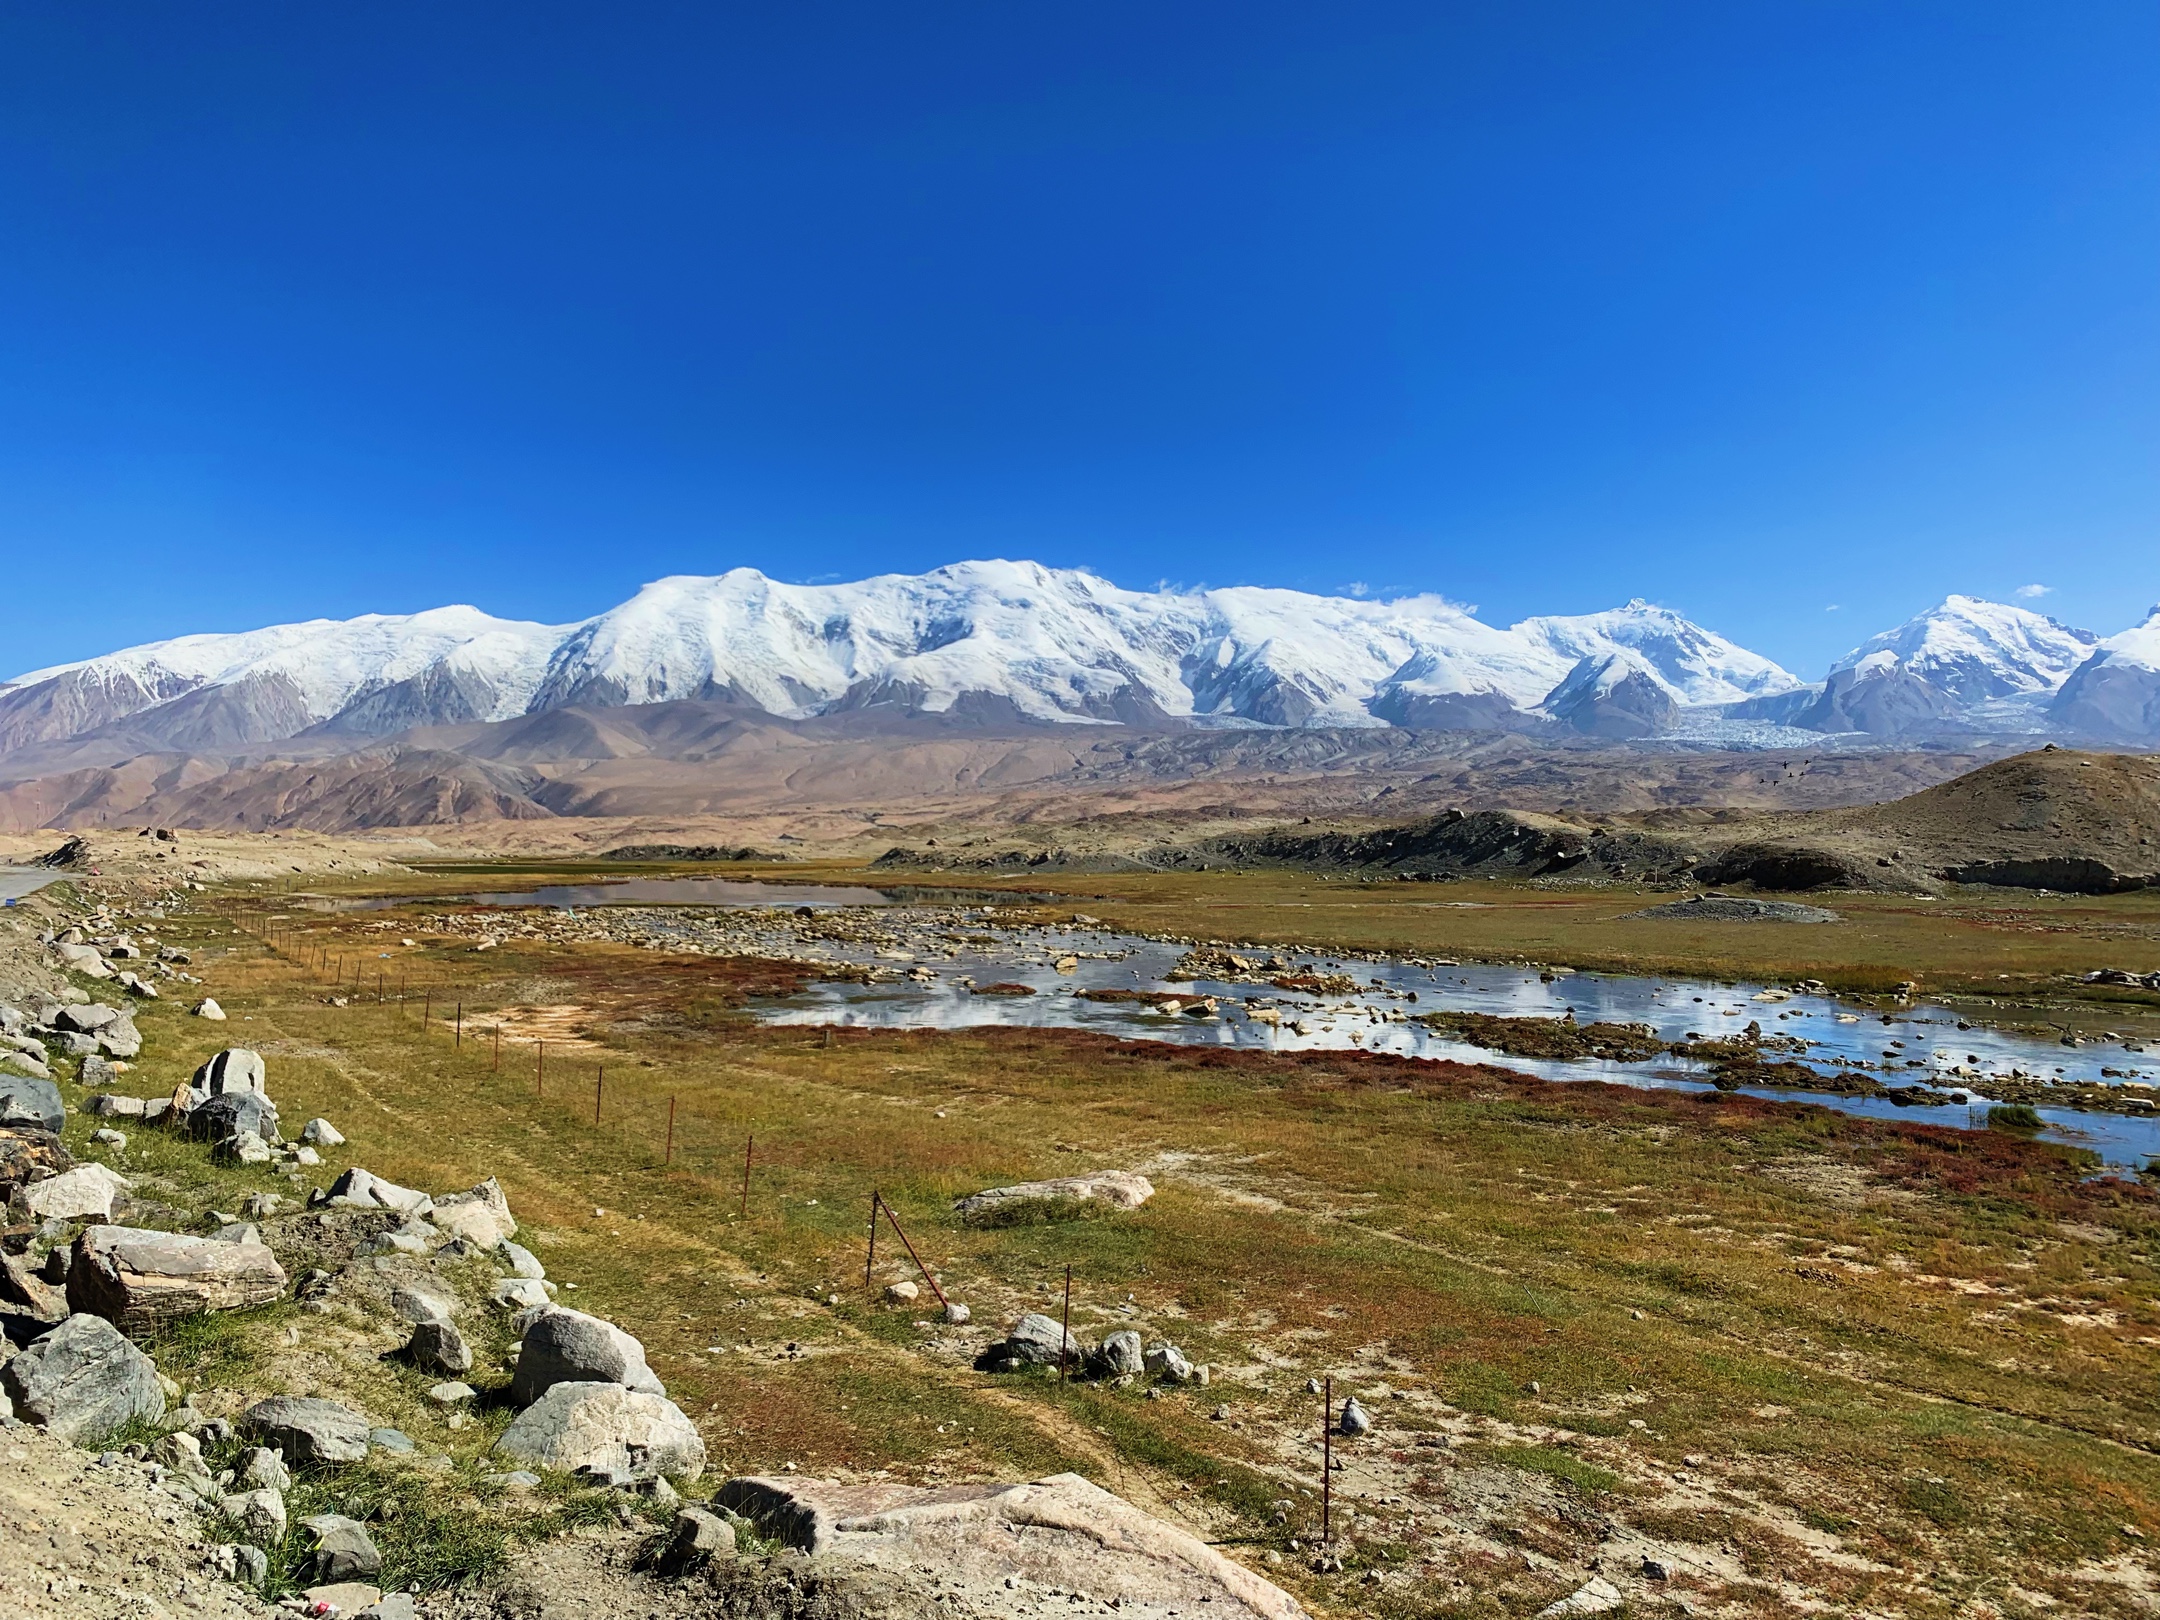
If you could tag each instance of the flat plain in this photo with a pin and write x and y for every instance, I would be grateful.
(1791, 1359)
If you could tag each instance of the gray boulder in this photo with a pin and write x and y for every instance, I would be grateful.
(342, 1550)
(120, 1038)
(1166, 1364)
(233, 1070)
(521, 1261)
(86, 1019)
(437, 1347)
(1118, 1356)
(569, 1347)
(137, 1279)
(231, 1114)
(95, 1071)
(320, 1132)
(260, 1512)
(308, 1430)
(698, 1539)
(481, 1216)
(82, 1380)
(27, 1100)
(261, 1469)
(1037, 1339)
(607, 1429)
(1355, 1419)
(357, 1188)
(111, 1105)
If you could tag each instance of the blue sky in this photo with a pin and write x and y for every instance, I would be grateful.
(1760, 311)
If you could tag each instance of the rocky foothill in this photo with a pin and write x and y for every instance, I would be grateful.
(123, 1491)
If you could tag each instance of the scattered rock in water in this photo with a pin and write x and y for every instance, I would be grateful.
(607, 1427)
(1118, 1189)
(82, 1380)
(139, 1280)
(308, 1430)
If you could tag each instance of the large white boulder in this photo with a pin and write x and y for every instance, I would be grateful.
(86, 1190)
(605, 1427)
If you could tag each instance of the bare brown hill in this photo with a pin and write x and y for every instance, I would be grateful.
(713, 772)
(2056, 819)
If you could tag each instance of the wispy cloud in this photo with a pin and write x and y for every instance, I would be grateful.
(1835, 607)
(2033, 592)
(1357, 587)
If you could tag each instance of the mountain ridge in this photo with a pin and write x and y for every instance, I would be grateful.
(1023, 643)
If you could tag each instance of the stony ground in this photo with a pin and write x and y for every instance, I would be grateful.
(86, 1540)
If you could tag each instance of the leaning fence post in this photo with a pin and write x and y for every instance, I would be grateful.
(912, 1255)
(870, 1264)
(670, 1159)
(750, 1142)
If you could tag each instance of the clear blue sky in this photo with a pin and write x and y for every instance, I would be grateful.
(1752, 309)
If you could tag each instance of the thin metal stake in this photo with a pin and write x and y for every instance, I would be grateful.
(498, 1048)
(670, 1159)
(870, 1264)
(599, 1080)
(427, 1005)
(540, 1068)
(459, 1039)
(1327, 1464)
(750, 1142)
(1065, 1330)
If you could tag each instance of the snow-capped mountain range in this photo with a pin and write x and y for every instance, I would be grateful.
(1021, 641)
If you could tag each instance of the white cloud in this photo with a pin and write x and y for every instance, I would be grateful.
(2031, 591)
(1834, 607)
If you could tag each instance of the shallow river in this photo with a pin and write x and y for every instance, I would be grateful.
(1921, 1043)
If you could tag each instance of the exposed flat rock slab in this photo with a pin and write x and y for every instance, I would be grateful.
(88, 1189)
(138, 1280)
(1119, 1188)
(1060, 1531)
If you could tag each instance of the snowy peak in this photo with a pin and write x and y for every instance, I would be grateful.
(1693, 664)
(266, 685)
(1025, 642)
(1974, 651)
